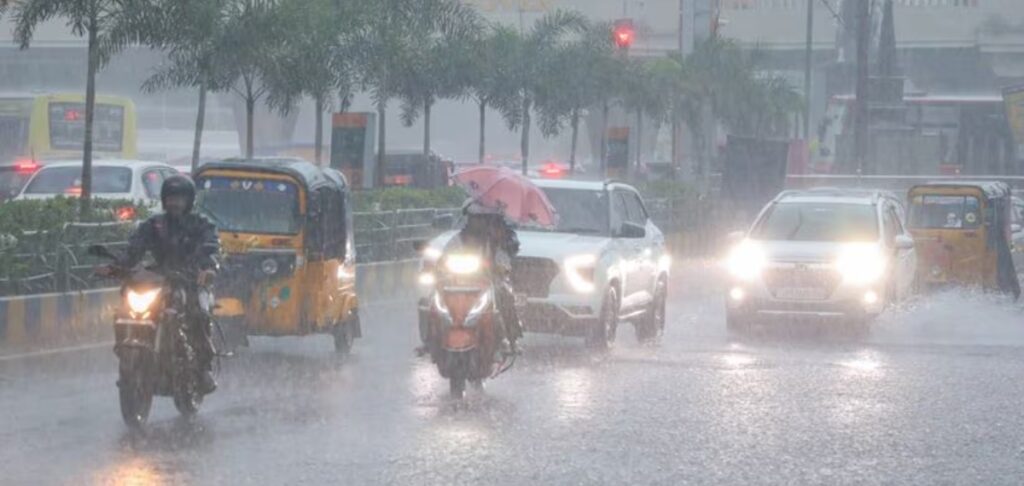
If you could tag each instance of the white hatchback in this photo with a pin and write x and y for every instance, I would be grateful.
(134, 180)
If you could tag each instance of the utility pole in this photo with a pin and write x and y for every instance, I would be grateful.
(808, 54)
(860, 128)
(682, 27)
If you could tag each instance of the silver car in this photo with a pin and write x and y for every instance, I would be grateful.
(821, 253)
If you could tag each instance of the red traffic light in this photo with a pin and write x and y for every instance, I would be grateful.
(623, 33)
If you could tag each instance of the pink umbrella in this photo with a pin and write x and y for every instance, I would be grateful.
(508, 191)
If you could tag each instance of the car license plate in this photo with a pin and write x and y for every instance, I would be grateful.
(801, 293)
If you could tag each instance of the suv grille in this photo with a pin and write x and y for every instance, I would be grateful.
(533, 276)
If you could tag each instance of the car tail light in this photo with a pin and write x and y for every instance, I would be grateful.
(25, 166)
(125, 213)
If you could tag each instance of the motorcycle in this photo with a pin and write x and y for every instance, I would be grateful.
(151, 342)
(463, 337)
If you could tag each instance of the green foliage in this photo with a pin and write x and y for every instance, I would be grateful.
(408, 198)
(19, 217)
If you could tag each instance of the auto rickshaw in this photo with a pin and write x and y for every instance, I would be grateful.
(962, 231)
(288, 263)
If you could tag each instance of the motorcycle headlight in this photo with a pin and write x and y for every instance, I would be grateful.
(861, 263)
(431, 254)
(269, 266)
(462, 264)
(746, 261)
(427, 279)
(579, 271)
(139, 302)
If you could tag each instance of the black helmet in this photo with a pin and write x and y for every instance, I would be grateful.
(179, 185)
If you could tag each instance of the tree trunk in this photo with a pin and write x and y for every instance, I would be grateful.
(318, 137)
(604, 140)
(378, 174)
(524, 143)
(250, 107)
(426, 127)
(90, 110)
(200, 120)
(575, 137)
(483, 123)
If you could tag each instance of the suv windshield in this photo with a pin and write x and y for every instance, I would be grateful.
(580, 211)
(818, 222)
(247, 206)
(68, 180)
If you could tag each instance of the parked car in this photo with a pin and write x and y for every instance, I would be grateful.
(605, 263)
(134, 180)
(821, 253)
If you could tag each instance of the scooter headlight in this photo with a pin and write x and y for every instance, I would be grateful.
(462, 264)
(140, 302)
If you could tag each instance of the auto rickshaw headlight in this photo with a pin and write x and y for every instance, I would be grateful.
(139, 302)
(269, 266)
(861, 263)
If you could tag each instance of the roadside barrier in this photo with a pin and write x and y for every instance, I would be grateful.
(47, 321)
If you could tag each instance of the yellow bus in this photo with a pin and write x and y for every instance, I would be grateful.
(35, 128)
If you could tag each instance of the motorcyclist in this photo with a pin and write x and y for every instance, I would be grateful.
(487, 229)
(182, 240)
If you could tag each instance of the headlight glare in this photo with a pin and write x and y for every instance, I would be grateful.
(861, 264)
(746, 261)
(579, 271)
(462, 264)
(140, 302)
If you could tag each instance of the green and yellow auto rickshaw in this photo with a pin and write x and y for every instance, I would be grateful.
(962, 231)
(289, 264)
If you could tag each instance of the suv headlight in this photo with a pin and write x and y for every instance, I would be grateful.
(746, 261)
(579, 271)
(139, 302)
(861, 263)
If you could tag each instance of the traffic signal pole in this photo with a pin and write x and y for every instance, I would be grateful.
(860, 128)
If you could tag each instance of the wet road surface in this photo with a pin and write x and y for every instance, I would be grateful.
(932, 396)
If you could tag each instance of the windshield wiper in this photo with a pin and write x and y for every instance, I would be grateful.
(578, 230)
(799, 224)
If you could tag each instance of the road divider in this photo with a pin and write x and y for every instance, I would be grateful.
(46, 321)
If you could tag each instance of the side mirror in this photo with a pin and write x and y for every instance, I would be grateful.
(419, 245)
(1016, 228)
(903, 242)
(443, 222)
(632, 230)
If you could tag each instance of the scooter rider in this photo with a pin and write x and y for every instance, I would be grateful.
(489, 230)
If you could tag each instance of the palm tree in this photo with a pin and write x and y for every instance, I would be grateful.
(490, 75)
(108, 26)
(386, 49)
(581, 74)
(315, 59)
(532, 56)
(440, 65)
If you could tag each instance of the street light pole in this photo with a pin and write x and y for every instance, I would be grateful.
(860, 128)
(808, 54)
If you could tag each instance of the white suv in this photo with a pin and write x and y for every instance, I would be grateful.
(605, 262)
(823, 253)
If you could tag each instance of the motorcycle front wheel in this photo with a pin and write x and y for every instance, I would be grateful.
(134, 390)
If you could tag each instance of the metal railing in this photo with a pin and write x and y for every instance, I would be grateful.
(56, 261)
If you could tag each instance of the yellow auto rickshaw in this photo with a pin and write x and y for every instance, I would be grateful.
(288, 263)
(962, 233)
